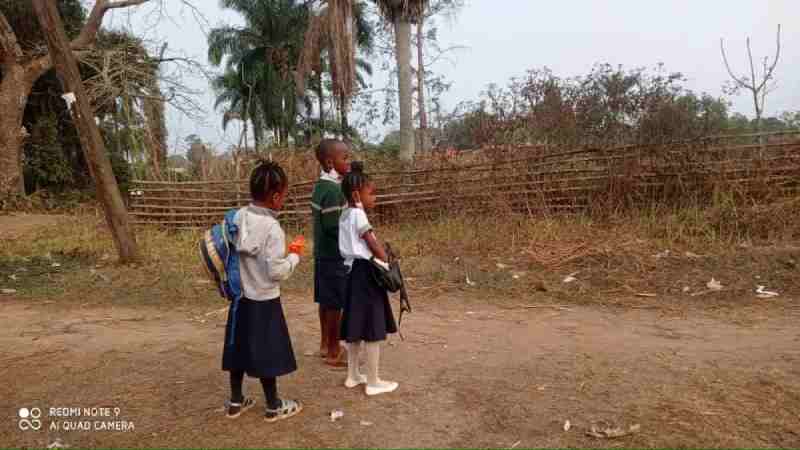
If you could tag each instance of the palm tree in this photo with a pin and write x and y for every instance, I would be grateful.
(323, 43)
(365, 43)
(265, 49)
(235, 94)
(401, 14)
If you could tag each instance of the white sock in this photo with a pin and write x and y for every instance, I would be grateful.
(375, 385)
(352, 361)
(373, 359)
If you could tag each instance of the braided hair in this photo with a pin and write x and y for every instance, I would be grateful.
(268, 177)
(354, 181)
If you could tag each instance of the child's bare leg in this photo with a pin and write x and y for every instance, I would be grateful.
(335, 351)
(375, 385)
(333, 332)
(323, 333)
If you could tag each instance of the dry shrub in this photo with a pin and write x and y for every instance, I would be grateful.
(725, 222)
(489, 247)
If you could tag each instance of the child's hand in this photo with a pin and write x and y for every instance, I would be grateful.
(298, 245)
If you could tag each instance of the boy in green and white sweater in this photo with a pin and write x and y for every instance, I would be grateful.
(330, 273)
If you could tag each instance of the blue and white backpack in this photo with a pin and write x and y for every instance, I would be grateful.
(221, 262)
(220, 258)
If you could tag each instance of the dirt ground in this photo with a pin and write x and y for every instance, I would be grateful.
(712, 370)
(469, 376)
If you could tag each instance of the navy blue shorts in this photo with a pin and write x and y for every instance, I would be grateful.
(330, 283)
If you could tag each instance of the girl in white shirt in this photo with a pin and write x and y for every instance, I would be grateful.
(367, 316)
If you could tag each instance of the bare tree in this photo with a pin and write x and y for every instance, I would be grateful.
(20, 71)
(758, 88)
(62, 58)
(434, 7)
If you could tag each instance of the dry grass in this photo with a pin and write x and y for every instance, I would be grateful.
(84, 252)
(508, 258)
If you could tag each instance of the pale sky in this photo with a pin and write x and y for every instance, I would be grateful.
(504, 38)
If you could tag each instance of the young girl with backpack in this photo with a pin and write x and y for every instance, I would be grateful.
(257, 341)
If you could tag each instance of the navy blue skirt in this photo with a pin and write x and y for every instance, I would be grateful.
(367, 313)
(261, 346)
(330, 283)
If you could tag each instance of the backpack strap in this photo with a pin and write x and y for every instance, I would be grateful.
(231, 247)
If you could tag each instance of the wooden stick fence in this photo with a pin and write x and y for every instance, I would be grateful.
(538, 182)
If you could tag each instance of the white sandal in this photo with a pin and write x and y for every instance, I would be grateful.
(289, 408)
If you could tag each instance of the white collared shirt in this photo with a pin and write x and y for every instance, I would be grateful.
(332, 176)
(353, 225)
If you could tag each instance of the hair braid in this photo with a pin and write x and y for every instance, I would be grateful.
(268, 177)
(354, 181)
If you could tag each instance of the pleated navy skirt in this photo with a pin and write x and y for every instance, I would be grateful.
(367, 313)
(260, 344)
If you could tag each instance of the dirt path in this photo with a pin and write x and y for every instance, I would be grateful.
(469, 378)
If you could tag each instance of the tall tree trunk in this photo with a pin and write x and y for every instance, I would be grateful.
(321, 97)
(423, 113)
(757, 108)
(258, 136)
(345, 124)
(156, 136)
(402, 35)
(14, 92)
(757, 127)
(424, 138)
(284, 136)
(92, 143)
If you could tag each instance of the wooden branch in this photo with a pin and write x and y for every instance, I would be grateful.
(88, 34)
(763, 89)
(741, 83)
(10, 51)
(768, 73)
(752, 68)
(37, 67)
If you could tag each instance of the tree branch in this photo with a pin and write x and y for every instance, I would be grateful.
(741, 83)
(10, 51)
(38, 66)
(752, 86)
(768, 73)
(89, 32)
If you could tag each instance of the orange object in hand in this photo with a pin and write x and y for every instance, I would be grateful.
(297, 245)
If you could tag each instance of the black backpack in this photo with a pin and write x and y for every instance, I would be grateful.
(392, 279)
